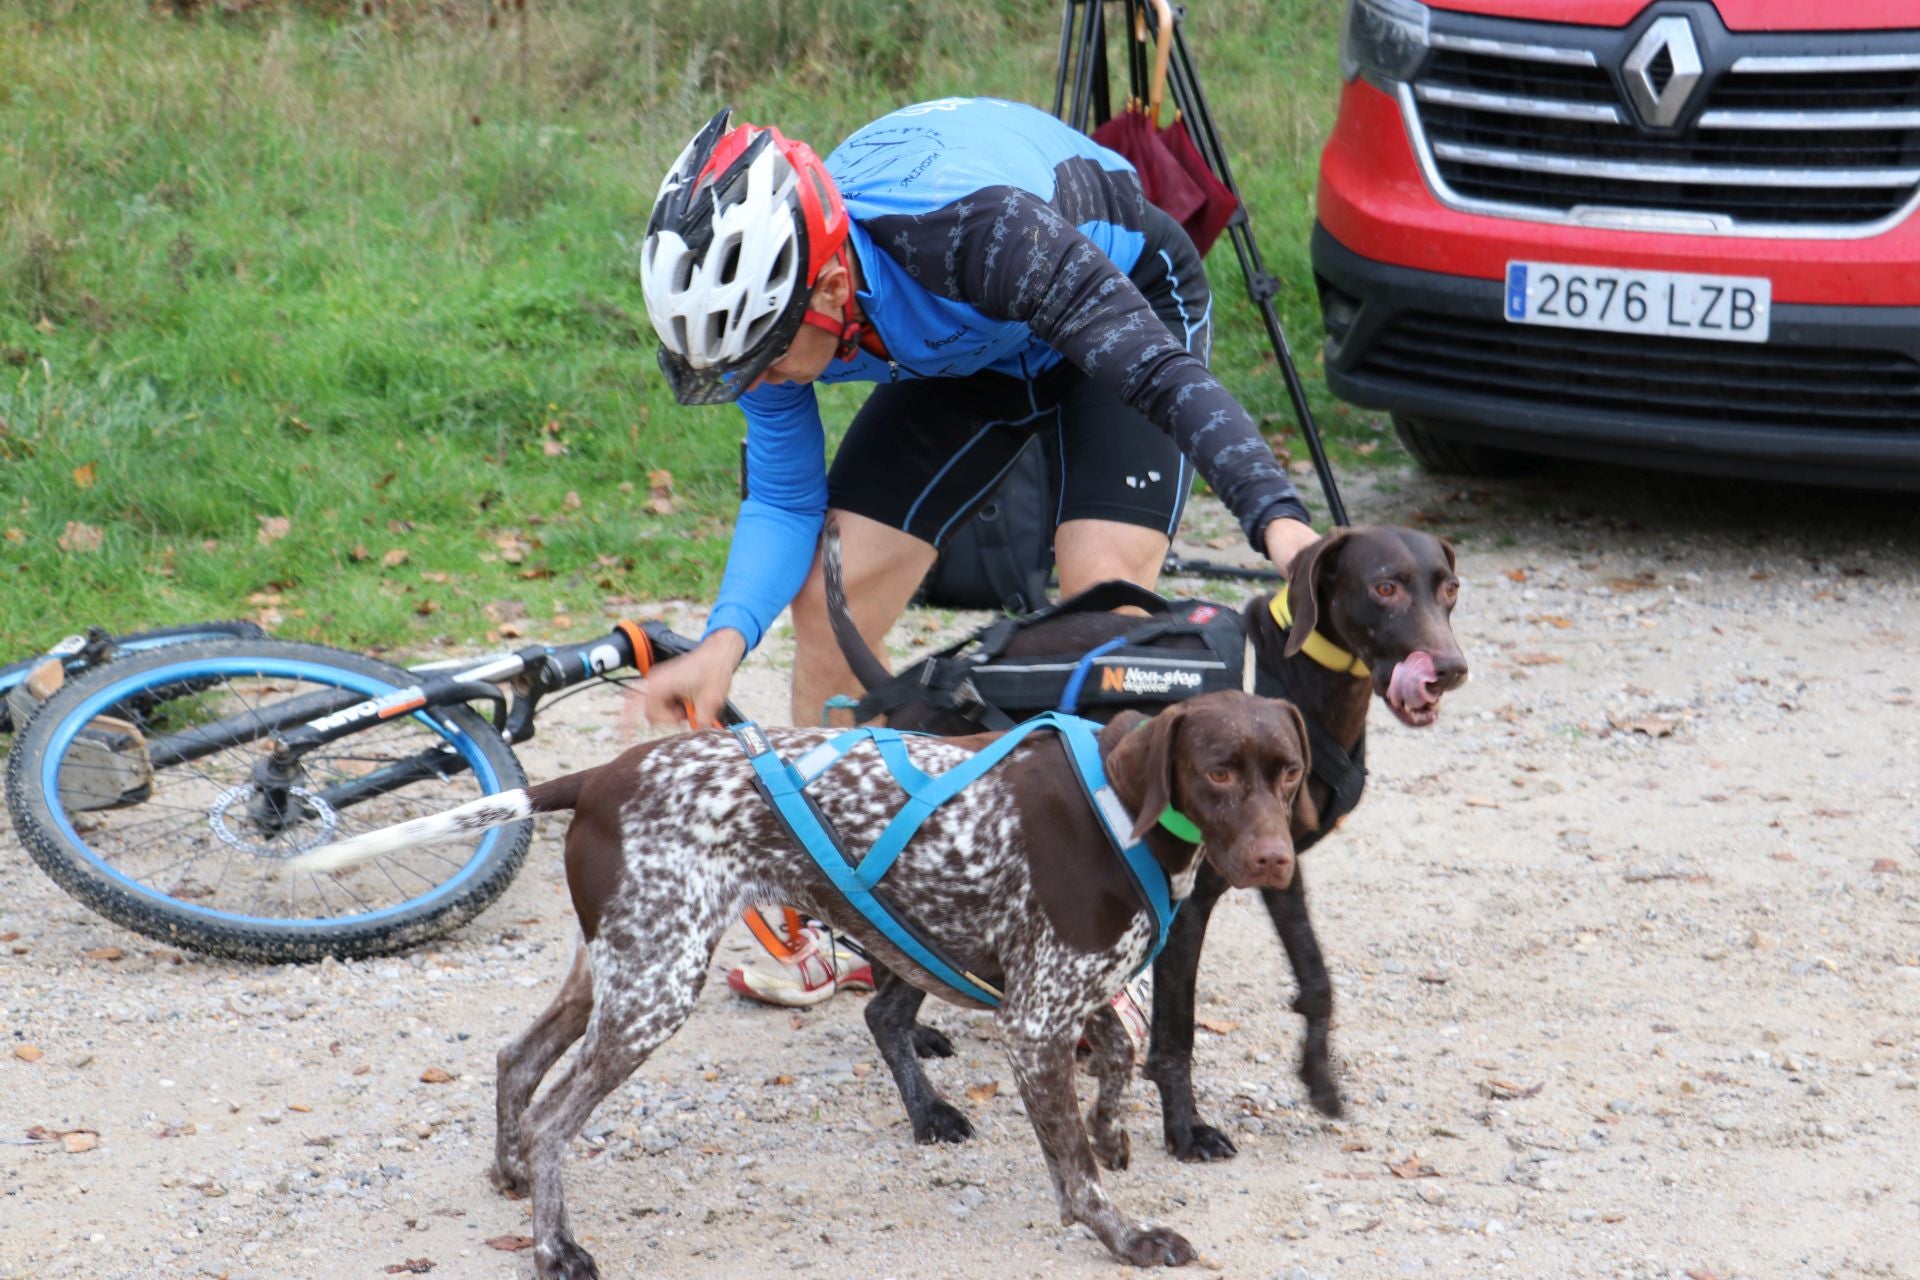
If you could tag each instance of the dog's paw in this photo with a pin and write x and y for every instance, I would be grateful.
(931, 1042)
(1114, 1148)
(1156, 1247)
(943, 1122)
(513, 1183)
(1201, 1144)
(564, 1259)
(1321, 1089)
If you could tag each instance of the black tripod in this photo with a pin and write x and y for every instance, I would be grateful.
(1083, 70)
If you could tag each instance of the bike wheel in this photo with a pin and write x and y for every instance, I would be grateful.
(131, 788)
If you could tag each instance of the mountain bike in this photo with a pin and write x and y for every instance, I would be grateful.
(168, 789)
(80, 653)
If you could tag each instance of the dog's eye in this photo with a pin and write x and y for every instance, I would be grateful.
(1220, 777)
(1292, 775)
(1386, 590)
(1450, 592)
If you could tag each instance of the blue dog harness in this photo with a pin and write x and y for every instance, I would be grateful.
(784, 784)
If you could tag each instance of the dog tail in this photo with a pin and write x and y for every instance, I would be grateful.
(469, 819)
(863, 661)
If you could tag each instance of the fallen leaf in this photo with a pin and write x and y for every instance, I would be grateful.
(384, 480)
(186, 1130)
(572, 501)
(1508, 1090)
(394, 558)
(1885, 866)
(104, 953)
(435, 1075)
(1355, 1145)
(272, 529)
(9, 936)
(781, 1080)
(1702, 1273)
(1538, 659)
(79, 1140)
(28, 1052)
(1832, 813)
(1783, 856)
(1652, 726)
(81, 539)
(510, 1244)
(83, 476)
(1219, 1026)
(982, 1092)
(1552, 620)
(660, 492)
(1517, 575)
(1482, 802)
(513, 547)
(301, 1107)
(1414, 1167)
(1639, 582)
(1224, 541)
(14, 535)
(1435, 979)
(435, 575)
(411, 1267)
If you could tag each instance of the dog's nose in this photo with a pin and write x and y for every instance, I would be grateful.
(1271, 865)
(1449, 672)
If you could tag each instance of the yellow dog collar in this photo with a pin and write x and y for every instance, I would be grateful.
(1316, 646)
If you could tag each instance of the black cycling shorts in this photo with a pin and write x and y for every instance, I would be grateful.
(923, 455)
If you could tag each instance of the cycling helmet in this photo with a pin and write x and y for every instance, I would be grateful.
(740, 230)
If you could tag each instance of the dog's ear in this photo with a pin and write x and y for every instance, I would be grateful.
(1306, 816)
(1303, 586)
(1141, 764)
(1453, 562)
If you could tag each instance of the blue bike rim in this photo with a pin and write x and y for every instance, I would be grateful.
(317, 673)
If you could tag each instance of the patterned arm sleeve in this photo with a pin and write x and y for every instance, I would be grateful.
(779, 524)
(1015, 256)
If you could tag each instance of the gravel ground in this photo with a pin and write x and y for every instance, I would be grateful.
(1627, 953)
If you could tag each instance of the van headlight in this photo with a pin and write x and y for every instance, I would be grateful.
(1383, 40)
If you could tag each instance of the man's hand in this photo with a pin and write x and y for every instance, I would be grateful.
(700, 676)
(1287, 539)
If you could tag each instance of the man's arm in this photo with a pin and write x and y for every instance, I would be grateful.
(1016, 257)
(772, 549)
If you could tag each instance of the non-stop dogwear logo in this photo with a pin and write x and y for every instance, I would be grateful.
(1146, 680)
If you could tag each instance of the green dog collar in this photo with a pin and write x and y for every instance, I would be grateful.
(1180, 825)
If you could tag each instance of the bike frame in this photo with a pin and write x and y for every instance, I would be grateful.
(302, 725)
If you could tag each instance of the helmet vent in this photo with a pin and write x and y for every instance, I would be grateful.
(730, 260)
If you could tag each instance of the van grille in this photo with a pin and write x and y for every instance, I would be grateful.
(1792, 142)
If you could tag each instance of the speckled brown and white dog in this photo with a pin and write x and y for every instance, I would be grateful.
(1013, 878)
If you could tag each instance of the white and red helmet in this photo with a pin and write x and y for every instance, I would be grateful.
(740, 230)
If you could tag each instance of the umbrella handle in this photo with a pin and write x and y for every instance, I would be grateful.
(1162, 53)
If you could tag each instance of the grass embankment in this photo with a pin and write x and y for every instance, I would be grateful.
(332, 318)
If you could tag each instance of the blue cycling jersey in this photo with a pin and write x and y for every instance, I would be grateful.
(990, 237)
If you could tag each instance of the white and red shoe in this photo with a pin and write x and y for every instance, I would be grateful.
(819, 966)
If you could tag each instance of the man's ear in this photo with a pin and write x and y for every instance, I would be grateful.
(1303, 586)
(1140, 767)
(831, 288)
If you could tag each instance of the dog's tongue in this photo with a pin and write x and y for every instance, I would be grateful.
(1409, 688)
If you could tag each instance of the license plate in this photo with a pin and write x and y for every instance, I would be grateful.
(1668, 303)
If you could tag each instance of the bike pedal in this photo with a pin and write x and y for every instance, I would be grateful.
(105, 766)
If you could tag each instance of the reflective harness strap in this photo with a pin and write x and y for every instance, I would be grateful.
(783, 786)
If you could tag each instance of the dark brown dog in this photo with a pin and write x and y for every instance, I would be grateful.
(1382, 594)
(1014, 879)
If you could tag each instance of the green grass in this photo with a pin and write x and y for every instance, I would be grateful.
(372, 277)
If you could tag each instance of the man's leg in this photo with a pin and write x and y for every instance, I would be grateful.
(884, 567)
(1095, 551)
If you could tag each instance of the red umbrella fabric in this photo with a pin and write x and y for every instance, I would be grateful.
(1217, 202)
(1166, 180)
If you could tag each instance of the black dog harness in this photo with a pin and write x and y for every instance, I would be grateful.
(974, 678)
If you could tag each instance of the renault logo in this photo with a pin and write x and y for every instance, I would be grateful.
(1662, 71)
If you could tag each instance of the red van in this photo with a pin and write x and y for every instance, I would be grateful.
(1678, 234)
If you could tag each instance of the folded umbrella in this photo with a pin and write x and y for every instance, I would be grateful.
(1217, 201)
(1166, 181)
